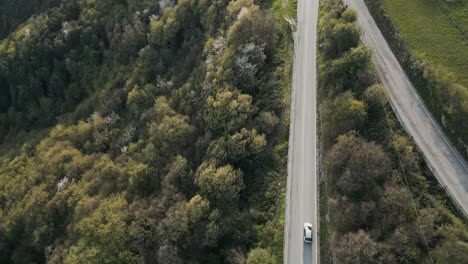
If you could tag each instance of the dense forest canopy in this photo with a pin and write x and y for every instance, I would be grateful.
(141, 131)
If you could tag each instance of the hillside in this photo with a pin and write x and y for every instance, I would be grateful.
(143, 132)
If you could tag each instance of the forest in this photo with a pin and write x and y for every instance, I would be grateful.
(379, 201)
(142, 131)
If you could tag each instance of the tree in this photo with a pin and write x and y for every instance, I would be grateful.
(174, 227)
(105, 177)
(403, 245)
(339, 33)
(355, 248)
(139, 99)
(375, 96)
(343, 37)
(429, 228)
(103, 235)
(260, 256)
(220, 184)
(143, 220)
(451, 249)
(407, 156)
(228, 110)
(142, 180)
(239, 147)
(163, 4)
(178, 175)
(237, 7)
(340, 115)
(249, 60)
(126, 40)
(395, 208)
(452, 96)
(211, 234)
(197, 208)
(349, 71)
(251, 40)
(169, 254)
(253, 26)
(162, 109)
(349, 15)
(357, 166)
(350, 216)
(236, 256)
(267, 122)
(214, 51)
(172, 133)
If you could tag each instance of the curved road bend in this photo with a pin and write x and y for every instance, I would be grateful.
(450, 169)
(301, 204)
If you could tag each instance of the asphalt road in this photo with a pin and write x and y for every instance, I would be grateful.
(302, 161)
(450, 169)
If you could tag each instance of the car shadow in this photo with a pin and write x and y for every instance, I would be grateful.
(307, 255)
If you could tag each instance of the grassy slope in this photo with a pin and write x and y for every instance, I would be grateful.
(431, 34)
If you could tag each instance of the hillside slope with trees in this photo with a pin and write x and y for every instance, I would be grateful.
(379, 201)
(138, 131)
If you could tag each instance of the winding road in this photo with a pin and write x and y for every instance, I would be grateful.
(302, 194)
(445, 162)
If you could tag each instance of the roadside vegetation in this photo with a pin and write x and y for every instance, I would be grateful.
(430, 39)
(379, 202)
(145, 132)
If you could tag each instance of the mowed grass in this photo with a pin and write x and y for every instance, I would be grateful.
(430, 33)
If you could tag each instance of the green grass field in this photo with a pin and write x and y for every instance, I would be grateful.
(431, 34)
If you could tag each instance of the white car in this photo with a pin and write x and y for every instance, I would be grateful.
(308, 232)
